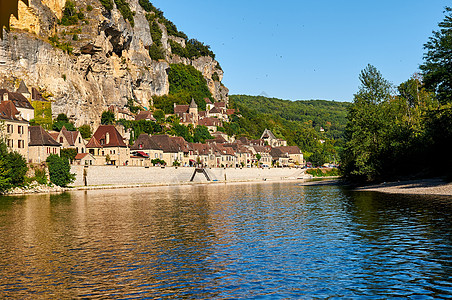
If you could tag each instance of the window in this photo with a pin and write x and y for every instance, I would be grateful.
(10, 143)
(9, 128)
(20, 129)
(79, 140)
(20, 144)
(61, 140)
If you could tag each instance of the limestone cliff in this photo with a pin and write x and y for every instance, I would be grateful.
(101, 60)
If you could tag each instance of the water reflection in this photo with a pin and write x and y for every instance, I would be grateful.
(276, 240)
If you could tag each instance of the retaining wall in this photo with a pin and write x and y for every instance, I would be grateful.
(128, 175)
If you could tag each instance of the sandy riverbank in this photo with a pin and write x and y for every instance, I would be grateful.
(433, 186)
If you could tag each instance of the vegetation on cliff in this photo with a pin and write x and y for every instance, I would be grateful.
(185, 83)
(406, 133)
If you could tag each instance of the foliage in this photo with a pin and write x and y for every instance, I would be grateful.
(108, 4)
(132, 107)
(40, 176)
(66, 46)
(42, 114)
(159, 115)
(156, 52)
(157, 161)
(187, 82)
(436, 68)
(68, 153)
(17, 166)
(140, 126)
(298, 122)
(158, 14)
(126, 13)
(193, 49)
(201, 134)
(70, 15)
(59, 170)
(63, 120)
(107, 118)
(85, 131)
(323, 172)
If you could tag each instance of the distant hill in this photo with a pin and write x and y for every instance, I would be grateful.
(330, 115)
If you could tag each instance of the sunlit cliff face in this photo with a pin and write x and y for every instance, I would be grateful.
(8, 8)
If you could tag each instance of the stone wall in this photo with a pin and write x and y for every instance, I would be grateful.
(112, 175)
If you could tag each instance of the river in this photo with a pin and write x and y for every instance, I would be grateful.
(226, 241)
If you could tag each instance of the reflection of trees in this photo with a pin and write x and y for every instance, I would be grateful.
(8, 8)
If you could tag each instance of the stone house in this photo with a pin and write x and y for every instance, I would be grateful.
(20, 102)
(145, 115)
(294, 153)
(41, 144)
(108, 146)
(70, 139)
(145, 144)
(84, 159)
(271, 140)
(211, 123)
(265, 156)
(280, 159)
(15, 128)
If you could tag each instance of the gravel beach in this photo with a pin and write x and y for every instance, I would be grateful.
(434, 186)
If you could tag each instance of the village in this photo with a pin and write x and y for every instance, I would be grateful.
(112, 145)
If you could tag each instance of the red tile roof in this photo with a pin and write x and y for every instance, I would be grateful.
(180, 109)
(145, 115)
(17, 98)
(8, 111)
(114, 137)
(93, 143)
(80, 156)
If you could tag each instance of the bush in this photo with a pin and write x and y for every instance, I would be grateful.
(156, 52)
(68, 153)
(17, 166)
(85, 131)
(108, 4)
(59, 170)
(157, 161)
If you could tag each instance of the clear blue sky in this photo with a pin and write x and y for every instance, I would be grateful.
(303, 49)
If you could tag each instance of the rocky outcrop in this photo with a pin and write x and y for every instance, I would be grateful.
(99, 62)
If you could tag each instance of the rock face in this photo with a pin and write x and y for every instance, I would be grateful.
(108, 61)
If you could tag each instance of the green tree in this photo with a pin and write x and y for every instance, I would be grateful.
(59, 170)
(159, 115)
(17, 166)
(367, 128)
(68, 153)
(85, 131)
(107, 118)
(201, 134)
(436, 68)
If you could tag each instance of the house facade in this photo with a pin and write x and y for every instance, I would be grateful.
(41, 145)
(108, 146)
(15, 128)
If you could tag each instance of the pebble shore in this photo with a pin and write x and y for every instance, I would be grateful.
(434, 186)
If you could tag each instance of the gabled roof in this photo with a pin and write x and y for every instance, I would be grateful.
(93, 143)
(170, 144)
(71, 136)
(40, 137)
(180, 109)
(210, 122)
(17, 98)
(290, 149)
(207, 101)
(215, 110)
(114, 137)
(261, 149)
(267, 134)
(145, 115)
(217, 140)
(146, 143)
(220, 104)
(230, 111)
(277, 153)
(23, 89)
(80, 156)
(37, 96)
(54, 134)
(8, 111)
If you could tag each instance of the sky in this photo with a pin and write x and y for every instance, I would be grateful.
(300, 50)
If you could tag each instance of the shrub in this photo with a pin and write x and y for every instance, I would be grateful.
(40, 176)
(17, 166)
(126, 13)
(157, 161)
(108, 4)
(59, 170)
(85, 131)
(156, 52)
(68, 153)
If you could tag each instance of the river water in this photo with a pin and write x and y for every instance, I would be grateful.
(226, 241)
